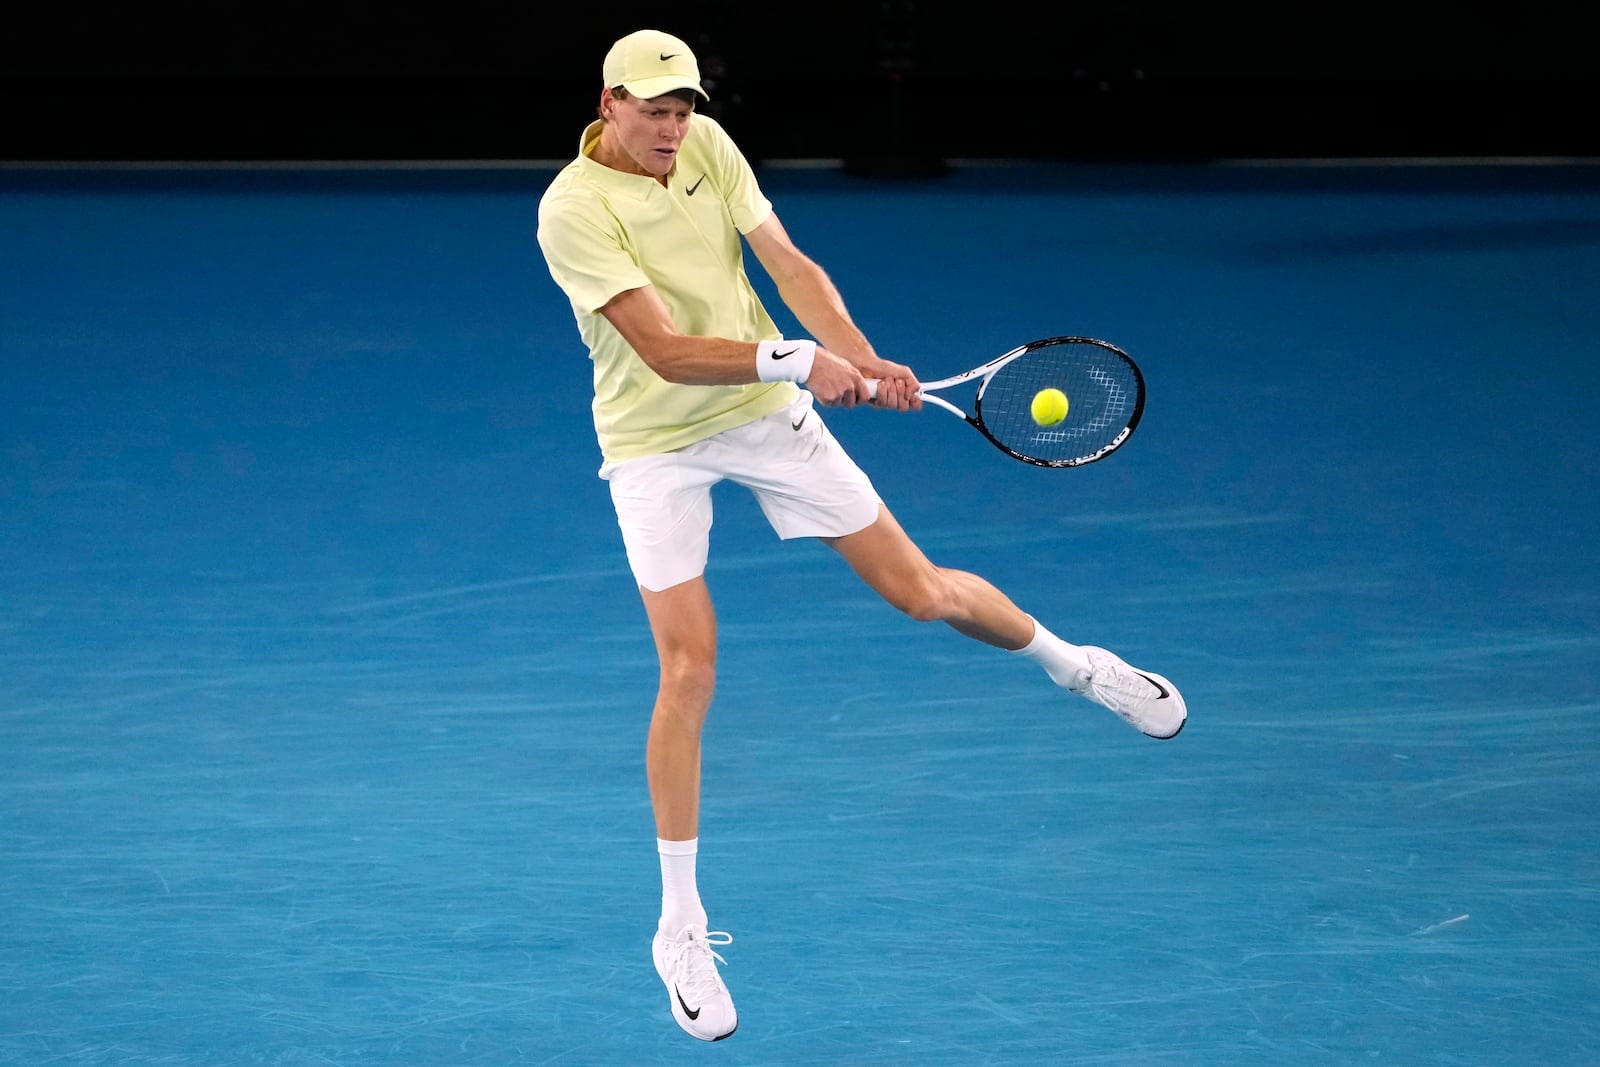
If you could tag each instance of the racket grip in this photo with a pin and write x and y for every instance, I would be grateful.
(872, 388)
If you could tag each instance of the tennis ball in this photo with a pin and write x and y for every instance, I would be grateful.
(1049, 406)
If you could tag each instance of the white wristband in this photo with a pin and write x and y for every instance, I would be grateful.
(785, 361)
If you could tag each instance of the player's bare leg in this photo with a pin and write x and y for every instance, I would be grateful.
(685, 629)
(887, 560)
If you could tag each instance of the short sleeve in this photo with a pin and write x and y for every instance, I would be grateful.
(586, 257)
(747, 205)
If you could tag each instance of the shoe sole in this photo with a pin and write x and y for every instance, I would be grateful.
(1175, 733)
(691, 1033)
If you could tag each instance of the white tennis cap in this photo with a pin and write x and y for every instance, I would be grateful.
(649, 63)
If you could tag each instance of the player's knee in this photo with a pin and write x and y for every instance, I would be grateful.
(689, 678)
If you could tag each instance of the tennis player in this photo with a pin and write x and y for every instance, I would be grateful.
(694, 384)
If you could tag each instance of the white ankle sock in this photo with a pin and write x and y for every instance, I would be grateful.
(680, 899)
(1066, 664)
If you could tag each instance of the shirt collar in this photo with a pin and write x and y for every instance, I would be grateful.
(638, 186)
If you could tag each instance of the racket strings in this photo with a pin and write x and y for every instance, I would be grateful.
(1104, 396)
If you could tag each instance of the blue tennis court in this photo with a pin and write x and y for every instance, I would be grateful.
(324, 684)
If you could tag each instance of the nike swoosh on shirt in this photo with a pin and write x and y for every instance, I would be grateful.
(696, 185)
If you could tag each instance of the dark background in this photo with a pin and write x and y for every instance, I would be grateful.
(885, 81)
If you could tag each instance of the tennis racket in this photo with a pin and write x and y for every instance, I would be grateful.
(1102, 384)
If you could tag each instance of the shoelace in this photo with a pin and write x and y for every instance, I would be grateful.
(694, 965)
(1110, 684)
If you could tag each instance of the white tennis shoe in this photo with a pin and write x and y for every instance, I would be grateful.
(1144, 700)
(687, 965)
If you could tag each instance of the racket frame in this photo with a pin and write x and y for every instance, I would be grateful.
(988, 370)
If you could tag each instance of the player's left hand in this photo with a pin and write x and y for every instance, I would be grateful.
(898, 388)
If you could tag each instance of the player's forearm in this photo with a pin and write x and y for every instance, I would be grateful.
(644, 323)
(688, 360)
(813, 298)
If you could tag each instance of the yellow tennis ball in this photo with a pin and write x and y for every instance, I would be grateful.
(1049, 406)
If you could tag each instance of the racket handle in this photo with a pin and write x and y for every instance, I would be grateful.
(872, 389)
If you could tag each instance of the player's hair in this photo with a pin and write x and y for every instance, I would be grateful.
(685, 95)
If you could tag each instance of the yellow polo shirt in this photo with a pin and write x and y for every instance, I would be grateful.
(604, 232)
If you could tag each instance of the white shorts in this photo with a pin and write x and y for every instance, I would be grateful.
(806, 484)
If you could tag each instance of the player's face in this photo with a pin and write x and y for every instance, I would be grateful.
(648, 132)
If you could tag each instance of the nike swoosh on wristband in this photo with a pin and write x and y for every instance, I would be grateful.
(696, 185)
(695, 1014)
(781, 355)
(1159, 687)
